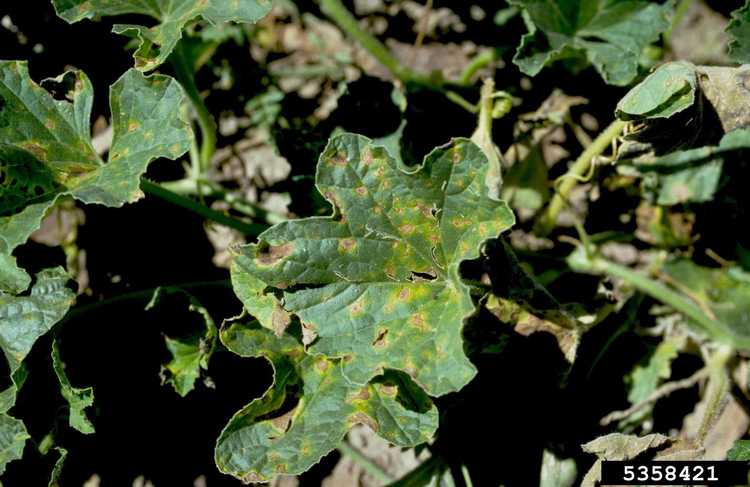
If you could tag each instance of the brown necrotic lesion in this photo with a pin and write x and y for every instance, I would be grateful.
(24, 180)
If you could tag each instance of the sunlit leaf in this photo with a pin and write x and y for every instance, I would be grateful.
(611, 34)
(46, 152)
(156, 42)
(381, 288)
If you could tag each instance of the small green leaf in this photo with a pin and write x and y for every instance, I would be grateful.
(54, 478)
(309, 409)
(13, 436)
(740, 451)
(46, 152)
(78, 399)
(667, 91)
(190, 353)
(155, 43)
(739, 31)
(610, 33)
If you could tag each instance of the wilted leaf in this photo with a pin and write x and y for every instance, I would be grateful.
(54, 477)
(381, 283)
(155, 43)
(740, 451)
(310, 407)
(739, 30)
(722, 294)
(610, 33)
(618, 447)
(78, 399)
(46, 152)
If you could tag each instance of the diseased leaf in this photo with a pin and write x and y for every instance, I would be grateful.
(46, 152)
(618, 447)
(381, 288)
(155, 43)
(721, 294)
(13, 436)
(739, 30)
(310, 407)
(610, 33)
(78, 399)
(740, 451)
(190, 353)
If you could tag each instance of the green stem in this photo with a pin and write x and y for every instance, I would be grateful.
(251, 229)
(348, 23)
(679, 13)
(480, 61)
(204, 187)
(186, 77)
(141, 295)
(655, 289)
(367, 465)
(581, 166)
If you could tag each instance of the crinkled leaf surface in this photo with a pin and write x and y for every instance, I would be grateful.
(381, 283)
(722, 294)
(78, 399)
(739, 30)
(13, 436)
(310, 407)
(158, 41)
(611, 34)
(46, 152)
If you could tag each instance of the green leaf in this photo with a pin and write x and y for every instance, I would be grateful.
(739, 31)
(54, 478)
(13, 436)
(78, 399)
(190, 353)
(310, 407)
(46, 152)
(667, 91)
(610, 33)
(156, 42)
(740, 451)
(557, 472)
(646, 378)
(692, 175)
(380, 282)
(722, 294)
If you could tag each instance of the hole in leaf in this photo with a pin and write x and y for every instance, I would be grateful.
(380, 340)
(422, 276)
(409, 394)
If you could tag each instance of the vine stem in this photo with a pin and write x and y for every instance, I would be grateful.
(367, 465)
(478, 62)
(206, 123)
(251, 229)
(141, 295)
(348, 23)
(598, 265)
(547, 221)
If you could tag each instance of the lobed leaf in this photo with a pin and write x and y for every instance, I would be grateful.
(46, 152)
(740, 451)
(156, 43)
(261, 441)
(610, 33)
(13, 436)
(376, 285)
